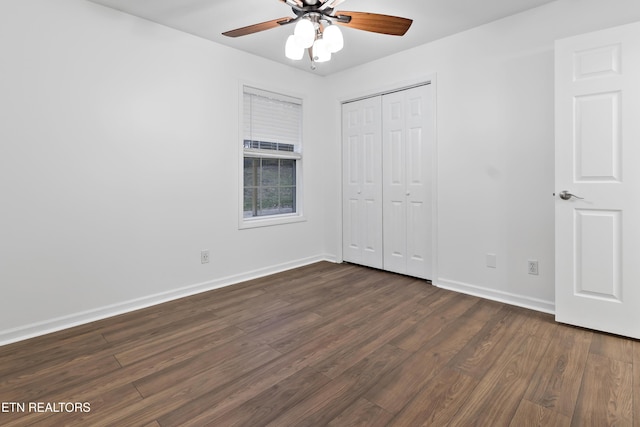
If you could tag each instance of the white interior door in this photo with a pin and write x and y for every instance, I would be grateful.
(598, 159)
(407, 153)
(362, 182)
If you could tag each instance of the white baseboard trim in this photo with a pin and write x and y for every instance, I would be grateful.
(500, 296)
(64, 322)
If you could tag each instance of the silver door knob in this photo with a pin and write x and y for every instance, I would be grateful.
(565, 195)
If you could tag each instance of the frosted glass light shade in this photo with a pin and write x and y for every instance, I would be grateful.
(305, 33)
(292, 50)
(333, 37)
(320, 51)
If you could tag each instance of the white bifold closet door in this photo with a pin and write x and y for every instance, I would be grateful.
(387, 160)
(406, 182)
(362, 182)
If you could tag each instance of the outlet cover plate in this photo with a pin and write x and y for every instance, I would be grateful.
(204, 256)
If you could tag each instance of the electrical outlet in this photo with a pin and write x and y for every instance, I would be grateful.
(204, 256)
(532, 267)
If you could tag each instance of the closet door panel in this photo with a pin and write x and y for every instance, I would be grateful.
(394, 209)
(418, 248)
(362, 186)
(372, 241)
(419, 161)
(395, 242)
(351, 235)
(352, 250)
(406, 148)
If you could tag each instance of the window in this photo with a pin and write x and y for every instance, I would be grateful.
(272, 157)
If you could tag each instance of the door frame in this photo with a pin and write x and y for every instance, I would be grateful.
(378, 90)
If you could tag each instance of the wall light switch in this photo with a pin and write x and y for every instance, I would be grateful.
(491, 260)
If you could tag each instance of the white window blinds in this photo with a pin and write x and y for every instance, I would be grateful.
(271, 118)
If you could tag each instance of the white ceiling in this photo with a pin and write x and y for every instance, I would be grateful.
(432, 19)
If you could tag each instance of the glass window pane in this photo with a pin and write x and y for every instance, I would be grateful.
(250, 202)
(269, 187)
(270, 172)
(287, 200)
(269, 201)
(287, 172)
(251, 166)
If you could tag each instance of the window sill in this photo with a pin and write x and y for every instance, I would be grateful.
(246, 223)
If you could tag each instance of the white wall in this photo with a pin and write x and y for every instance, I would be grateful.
(495, 130)
(119, 163)
(118, 158)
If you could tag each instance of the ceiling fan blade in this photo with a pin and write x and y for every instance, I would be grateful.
(375, 22)
(250, 29)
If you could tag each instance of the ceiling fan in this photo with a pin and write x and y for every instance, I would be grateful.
(317, 29)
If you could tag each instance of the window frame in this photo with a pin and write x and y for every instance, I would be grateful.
(297, 155)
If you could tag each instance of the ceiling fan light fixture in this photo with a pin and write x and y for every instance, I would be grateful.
(305, 33)
(320, 51)
(292, 50)
(333, 37)
(315, 29)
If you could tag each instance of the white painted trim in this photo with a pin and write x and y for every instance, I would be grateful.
(494, 295)
(433, 81)
(64, 322)
(331, 258)
(340, 193)
(271, 220)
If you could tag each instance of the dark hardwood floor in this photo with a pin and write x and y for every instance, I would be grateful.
(326, 344)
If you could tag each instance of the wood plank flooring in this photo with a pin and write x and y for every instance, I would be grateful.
(326, 344)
